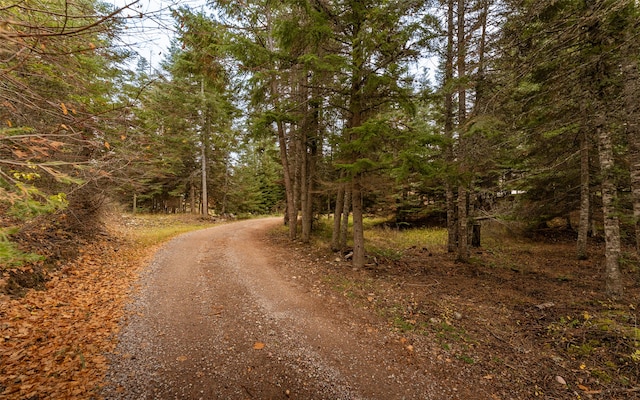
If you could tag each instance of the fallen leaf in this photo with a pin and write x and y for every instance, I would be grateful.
(488, 377)
(182, 358)
(560, 380)
(583, 388)
(20, 153)
(258, 345)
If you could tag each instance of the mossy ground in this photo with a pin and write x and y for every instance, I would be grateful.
(522, 314)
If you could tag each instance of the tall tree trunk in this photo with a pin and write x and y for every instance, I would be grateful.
(358, 231)
(634, 165)
(291, 218)
(223, 207)
(135, 203)
(307, 218)
(205, 199)
(291, 210)
(311, 133)
(356, 119)
(613, 279)
(296, 167)
(463, 193)
(583, 227)
(203, 155)
(480, 79)
(448, 131)
(452, 219)
(632, 116)
(192, 197)
(346, 212)
(337, 218)
(304, 189)
(463, 225)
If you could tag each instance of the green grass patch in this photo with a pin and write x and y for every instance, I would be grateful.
(434, 239)
(450, 333)
(151, 230)
(583, 350)
(10, 255)
(602, 376)
(388, 242)
(403, 325)
(466, 359)
(153, 236)
(386, 253)
(340, 283)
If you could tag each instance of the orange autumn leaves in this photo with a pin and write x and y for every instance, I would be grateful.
(52, 342)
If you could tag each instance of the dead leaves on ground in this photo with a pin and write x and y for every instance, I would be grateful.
(52, 342)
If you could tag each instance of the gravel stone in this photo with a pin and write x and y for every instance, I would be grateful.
(210, 296)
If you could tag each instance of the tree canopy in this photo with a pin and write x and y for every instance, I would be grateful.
(528, 113)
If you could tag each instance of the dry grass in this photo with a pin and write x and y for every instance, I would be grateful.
(152, 229)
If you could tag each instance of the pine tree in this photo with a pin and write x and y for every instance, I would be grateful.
(184, 119)
(570, 59)
(367, 50)
(59, 80)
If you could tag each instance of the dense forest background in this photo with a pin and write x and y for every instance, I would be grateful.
(429, 112)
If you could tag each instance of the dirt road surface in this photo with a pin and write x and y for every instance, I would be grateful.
(218, 315)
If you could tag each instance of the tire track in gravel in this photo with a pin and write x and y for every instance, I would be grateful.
(210, 295)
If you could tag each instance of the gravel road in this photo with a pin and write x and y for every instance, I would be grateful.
(218, 316)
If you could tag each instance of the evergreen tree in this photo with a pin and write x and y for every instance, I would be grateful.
(367, 51)
(59, 74)
(569, 88)
(186, 118)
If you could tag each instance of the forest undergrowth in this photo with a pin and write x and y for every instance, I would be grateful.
(524, 317)
(59, 318)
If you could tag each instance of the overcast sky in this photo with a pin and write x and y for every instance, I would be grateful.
(150, 36)
(150, 26)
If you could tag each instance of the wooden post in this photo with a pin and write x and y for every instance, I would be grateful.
(475, 234)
